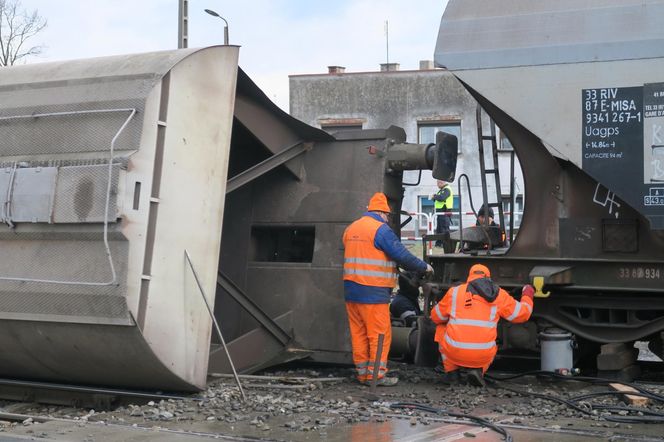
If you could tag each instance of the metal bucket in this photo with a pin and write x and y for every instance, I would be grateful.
(557, 346)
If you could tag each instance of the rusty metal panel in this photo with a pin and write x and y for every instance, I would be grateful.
(580, 237)
(620, 235)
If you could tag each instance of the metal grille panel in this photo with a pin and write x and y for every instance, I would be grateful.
(30, 195)
(81, 194)
(63, 129)
(73, 261)
(65, 307)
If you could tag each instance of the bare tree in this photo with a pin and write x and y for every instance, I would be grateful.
(17, 26)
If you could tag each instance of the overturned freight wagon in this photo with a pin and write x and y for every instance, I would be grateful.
(111, 169)
(116, 170)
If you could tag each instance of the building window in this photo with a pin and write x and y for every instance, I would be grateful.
(426, 132)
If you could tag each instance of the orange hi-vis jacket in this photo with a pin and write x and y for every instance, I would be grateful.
(467, 323)
(363, 262)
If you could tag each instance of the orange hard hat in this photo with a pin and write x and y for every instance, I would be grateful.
(378, 203)
(478, 271)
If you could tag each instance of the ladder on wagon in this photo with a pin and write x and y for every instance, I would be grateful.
(500, 201)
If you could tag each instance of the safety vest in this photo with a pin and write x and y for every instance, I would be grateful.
(363, 262)
(448, 204)
(468, 338)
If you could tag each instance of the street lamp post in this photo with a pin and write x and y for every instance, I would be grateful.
(214, 14)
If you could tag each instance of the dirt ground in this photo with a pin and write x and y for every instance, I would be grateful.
(325, 403)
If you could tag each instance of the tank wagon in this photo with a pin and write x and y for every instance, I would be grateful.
(578, 89)
(124, 177)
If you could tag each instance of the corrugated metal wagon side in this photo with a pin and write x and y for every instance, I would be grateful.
(110, 169)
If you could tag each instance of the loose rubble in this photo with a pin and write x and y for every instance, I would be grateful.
(320, 405)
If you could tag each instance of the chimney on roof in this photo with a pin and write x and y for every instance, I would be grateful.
(336, 69)
(426, 65)
(388, 67)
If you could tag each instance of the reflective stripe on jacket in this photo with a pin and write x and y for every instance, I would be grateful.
(448, 203)
(363, 262)
(466, 324)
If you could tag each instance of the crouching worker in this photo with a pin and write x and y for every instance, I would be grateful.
(371, 254)
(466, 320)
(405, 304)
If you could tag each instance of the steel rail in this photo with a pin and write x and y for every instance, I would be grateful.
(91, 390)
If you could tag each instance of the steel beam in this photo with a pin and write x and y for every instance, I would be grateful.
(267, 165)
(250, 306)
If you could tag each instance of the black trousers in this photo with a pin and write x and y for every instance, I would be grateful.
(443, 223)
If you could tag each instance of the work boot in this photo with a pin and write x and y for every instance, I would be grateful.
(475, 377)
(450, 378)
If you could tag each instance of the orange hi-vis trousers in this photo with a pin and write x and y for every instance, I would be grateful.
(367, 321)
(448, 365)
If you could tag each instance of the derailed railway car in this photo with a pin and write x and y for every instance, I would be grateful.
(104, 161)
(578, 89)
(125, 179)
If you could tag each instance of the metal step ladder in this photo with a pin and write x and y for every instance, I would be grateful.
(499, 201)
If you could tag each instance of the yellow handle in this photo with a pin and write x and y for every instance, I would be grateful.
(538, 283)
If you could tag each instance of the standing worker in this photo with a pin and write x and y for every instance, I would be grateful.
(372, 252)
(467, 318)
(443, 202)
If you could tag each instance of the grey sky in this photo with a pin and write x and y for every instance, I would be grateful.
(278, 37)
